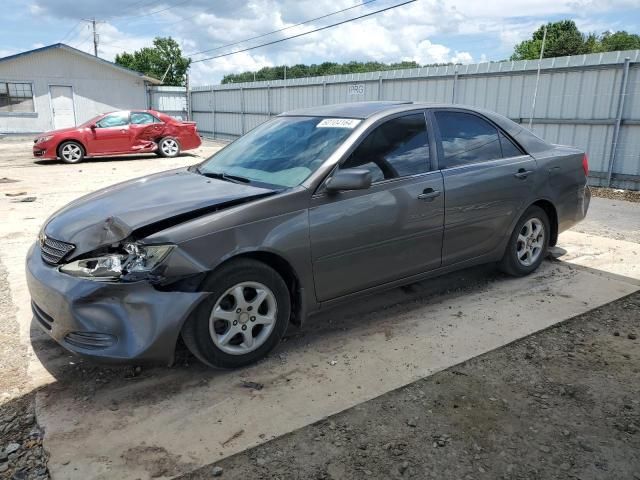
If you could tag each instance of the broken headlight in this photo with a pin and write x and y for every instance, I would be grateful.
(135, 260)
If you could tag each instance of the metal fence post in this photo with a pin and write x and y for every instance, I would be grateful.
(324, 91)
(188, 87)
(380, 86)
(455, 84)
(213, 100)
(616, 126)
(269, 100)
(242, 110)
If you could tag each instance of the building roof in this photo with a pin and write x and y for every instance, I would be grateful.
(347, 110)
(67, 48)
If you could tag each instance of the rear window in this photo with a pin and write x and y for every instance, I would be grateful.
(467, 138)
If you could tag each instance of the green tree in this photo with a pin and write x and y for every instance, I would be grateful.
(612, 41)
(164, 56)
(563, 38)
(317, 70)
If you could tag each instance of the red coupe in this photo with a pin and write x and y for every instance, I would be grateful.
(119, 133)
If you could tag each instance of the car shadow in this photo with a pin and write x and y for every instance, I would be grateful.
(115, 158)
(86, 378)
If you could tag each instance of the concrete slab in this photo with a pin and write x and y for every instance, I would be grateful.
(209, 415)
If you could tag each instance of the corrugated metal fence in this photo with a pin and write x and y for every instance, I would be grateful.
(591, 101)
(169, 100)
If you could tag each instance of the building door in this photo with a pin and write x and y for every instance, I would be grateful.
(62, 110)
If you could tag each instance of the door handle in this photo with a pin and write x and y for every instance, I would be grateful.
(429, 194)
(522, 173)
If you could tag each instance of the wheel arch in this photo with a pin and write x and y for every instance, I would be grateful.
(551, 211)
(286, 271)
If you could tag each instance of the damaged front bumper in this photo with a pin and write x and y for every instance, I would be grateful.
(113, 322)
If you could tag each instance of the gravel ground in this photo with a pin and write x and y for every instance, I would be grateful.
(21, 454)
(562, 403)
(616, 194)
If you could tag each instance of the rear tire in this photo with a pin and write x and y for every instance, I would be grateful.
(244, 317)
(71, 152)
(168, 147)
(528, 243)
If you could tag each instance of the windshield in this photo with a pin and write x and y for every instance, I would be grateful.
(281, 152)
(91, 121)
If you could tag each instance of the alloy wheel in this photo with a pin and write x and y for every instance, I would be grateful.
(169, 147)
(530, 242)
(243, 317)
(71, 152)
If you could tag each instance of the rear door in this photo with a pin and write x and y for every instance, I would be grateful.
(364, 238)
(145, 126)
(487, 179)
(111, 134)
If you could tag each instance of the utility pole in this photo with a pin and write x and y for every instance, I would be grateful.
(96, 35)
(535, 92)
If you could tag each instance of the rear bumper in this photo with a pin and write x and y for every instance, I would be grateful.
(110, 322)
(573, 209)
(189, 142)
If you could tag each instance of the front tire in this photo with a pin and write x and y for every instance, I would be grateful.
(244, 317)
(71, 152)
(528, 243)
(168, 147)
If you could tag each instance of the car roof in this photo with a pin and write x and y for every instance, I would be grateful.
(363, 110)
(347, 110)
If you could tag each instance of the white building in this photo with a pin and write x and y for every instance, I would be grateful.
(59, 86)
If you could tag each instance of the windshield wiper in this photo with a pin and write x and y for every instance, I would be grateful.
(224, 176)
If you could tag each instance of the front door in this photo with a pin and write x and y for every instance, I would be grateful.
(486, 177)
(364, 238)
(62, 110)
(111, 134)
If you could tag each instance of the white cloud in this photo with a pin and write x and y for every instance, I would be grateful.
(427, 31)
(35, 9)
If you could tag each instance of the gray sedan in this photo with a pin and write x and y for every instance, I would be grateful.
(309, 209)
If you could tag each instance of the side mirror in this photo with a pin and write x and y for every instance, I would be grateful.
(93, 126)
(349, 179)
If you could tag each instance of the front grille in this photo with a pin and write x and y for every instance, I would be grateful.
(44, 319)
(90, 340)
(53, 251)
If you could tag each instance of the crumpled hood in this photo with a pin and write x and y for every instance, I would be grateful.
(164, 199)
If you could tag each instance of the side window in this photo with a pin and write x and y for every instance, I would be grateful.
(119, 119)
(397, 148)
(143, 118)
(509, 149)
(467, 138)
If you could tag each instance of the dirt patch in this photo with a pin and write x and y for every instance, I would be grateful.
(616, 194)
(562, 403)
(155, 460)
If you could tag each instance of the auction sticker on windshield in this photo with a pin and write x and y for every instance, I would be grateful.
(339, 123)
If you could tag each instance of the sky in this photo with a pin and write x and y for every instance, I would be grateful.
(426, 31)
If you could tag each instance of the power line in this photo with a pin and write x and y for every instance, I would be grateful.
(70, 31)
(280, 30)
(305, 33)
(135, 5)
(133, 17)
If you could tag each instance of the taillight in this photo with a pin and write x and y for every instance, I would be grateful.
(585, 165)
